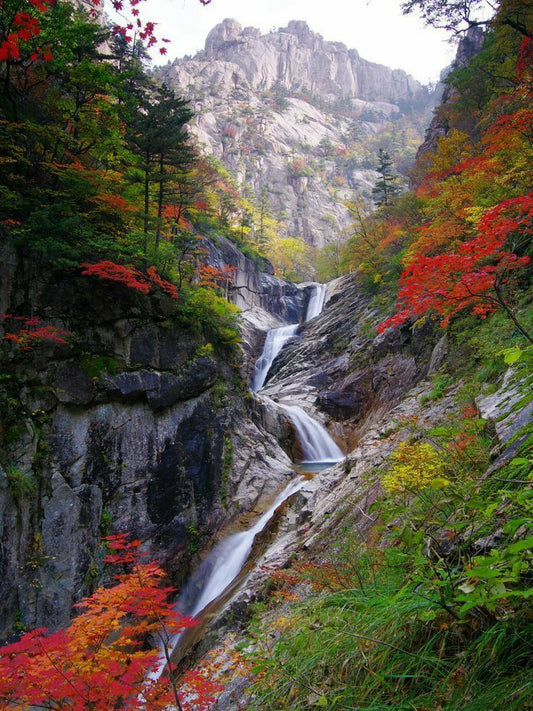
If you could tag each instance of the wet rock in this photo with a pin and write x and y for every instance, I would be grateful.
(510, 408)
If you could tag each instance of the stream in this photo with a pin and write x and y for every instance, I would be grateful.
(225, 561)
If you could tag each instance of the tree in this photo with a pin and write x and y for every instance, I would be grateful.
(386, 187)
(160, 140)
(453, 15)
(291, 258)
(102, 660)
(476, 275)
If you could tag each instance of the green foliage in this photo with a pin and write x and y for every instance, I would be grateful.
(203, 311)
(386, 187)
(95, 365)
(440, 383)
(21, 484)
(228, 458)
(194, 538)
(105, 523)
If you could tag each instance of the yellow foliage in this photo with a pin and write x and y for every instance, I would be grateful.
(416, 466)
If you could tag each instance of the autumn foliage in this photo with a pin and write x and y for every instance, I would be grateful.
(468, 247)
(130, 276)
(33, 332)
(25, 28)
(472, 276)
(214, 277)
(103, 660)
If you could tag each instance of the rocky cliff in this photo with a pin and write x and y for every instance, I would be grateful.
(136, 424)
(467, 48)
(299, 120)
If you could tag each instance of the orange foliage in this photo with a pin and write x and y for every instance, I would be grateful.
(215, 278)
(101, 660)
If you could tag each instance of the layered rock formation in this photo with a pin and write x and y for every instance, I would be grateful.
(298, 120)
(341, 372)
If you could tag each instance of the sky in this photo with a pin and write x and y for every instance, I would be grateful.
(376, 28)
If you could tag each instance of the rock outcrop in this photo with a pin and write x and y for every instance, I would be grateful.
(297, 120)
(345, 375)
(468, 47)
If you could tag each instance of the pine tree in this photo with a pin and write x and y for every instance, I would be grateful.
(386, 187)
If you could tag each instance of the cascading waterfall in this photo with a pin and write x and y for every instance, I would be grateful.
(278, 337)
(316, 302)
(275, 340)
(317, 444)
(227, 559)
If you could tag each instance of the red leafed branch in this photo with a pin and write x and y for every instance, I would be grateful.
(33, 333)
(130, 276)
(23, 27)
(215, 278)
(166, 286)
(474, 275)
(117, 272)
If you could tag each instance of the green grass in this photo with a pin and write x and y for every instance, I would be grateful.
(417, 616)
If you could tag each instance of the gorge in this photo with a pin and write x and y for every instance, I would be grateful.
(336, 476)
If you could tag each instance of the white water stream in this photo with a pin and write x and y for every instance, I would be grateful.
(275, 340)
(317, 444)
(316, 302)
(278, 337)
(226, 560)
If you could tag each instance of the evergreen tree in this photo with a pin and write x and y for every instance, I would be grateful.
(158, 136)
(386, 187)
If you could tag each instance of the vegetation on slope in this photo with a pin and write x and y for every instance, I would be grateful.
(430, 607)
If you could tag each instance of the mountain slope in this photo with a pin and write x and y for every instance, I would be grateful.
(299, 120)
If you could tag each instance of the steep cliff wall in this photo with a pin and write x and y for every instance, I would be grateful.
(302, 60)
(135, 425)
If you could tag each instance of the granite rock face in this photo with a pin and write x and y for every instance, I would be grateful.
(132, 427)
(342, 372)
(469, 45)
(298, 58)
(290, 114)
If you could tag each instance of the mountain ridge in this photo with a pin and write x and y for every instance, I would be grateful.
(299, 120)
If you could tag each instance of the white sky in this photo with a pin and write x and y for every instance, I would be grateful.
(376, 28)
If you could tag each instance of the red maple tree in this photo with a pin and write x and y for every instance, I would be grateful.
(102, 661)
(475, 275)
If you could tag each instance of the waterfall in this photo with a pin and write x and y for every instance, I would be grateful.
(226, 559)
(275, 340)
(317, 444)
(316, 302)
(278, 337)
(224, 562)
